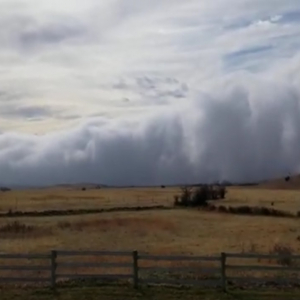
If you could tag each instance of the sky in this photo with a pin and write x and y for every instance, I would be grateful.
(148, 92)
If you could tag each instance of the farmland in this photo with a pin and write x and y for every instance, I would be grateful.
(184, 231)
(172, 231)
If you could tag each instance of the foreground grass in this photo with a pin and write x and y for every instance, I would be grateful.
(159, 232)
(168, 232)
(154, 293)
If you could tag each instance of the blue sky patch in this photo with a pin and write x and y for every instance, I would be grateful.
(290, 17)
(247, 52)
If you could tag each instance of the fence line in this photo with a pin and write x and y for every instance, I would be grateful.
(219, 273)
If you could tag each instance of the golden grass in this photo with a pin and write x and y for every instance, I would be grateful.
(176, 231)
(287, 200)
(180, 231)
(71, 198)
(186, 231)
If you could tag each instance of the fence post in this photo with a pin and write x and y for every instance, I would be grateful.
(53, 268)
(223, 272)
(135, 269)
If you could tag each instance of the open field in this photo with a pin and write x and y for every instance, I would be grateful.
(71, 198)
(287, 200)
(178, 231)
(184, 231)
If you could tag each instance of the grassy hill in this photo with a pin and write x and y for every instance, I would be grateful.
(282, 184)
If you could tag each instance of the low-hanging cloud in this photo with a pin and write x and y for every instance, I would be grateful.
(246, 128)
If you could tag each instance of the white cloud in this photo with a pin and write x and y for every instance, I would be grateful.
(189, 90)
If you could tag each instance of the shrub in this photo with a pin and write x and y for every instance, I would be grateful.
(16, 227)
(243, 210)
(185, 198)
(63, 224)
(258, 211)
(222, 192)
(285, 254)
(176, 200)
(199, 195)
(222, 208)
(211, 207)
(231, 210)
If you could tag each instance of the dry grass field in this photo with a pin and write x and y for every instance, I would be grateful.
(287, 200)
(172, 231)
(178, 231)
(72, 198)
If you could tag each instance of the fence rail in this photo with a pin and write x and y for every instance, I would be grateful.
(139, 271)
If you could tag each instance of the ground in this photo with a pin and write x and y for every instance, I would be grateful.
(156, 231)
(158, 293)
(184, 231)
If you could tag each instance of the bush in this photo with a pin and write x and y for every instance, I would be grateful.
(243, 210)
(64, 225)
(16, 227)
(222, 192)
(258, 211)
(285, 254)
(198, 196)
(211, 208)
(223, 209)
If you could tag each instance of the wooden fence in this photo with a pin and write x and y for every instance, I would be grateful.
(140, 268)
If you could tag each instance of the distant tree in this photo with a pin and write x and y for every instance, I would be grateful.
(199, 195)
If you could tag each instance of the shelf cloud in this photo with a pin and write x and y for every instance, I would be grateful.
(151, 92)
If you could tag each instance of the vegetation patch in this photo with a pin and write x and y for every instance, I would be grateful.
(250, 211)
(17, 229)
(198, 196)
(71, 212)
(285, 254)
